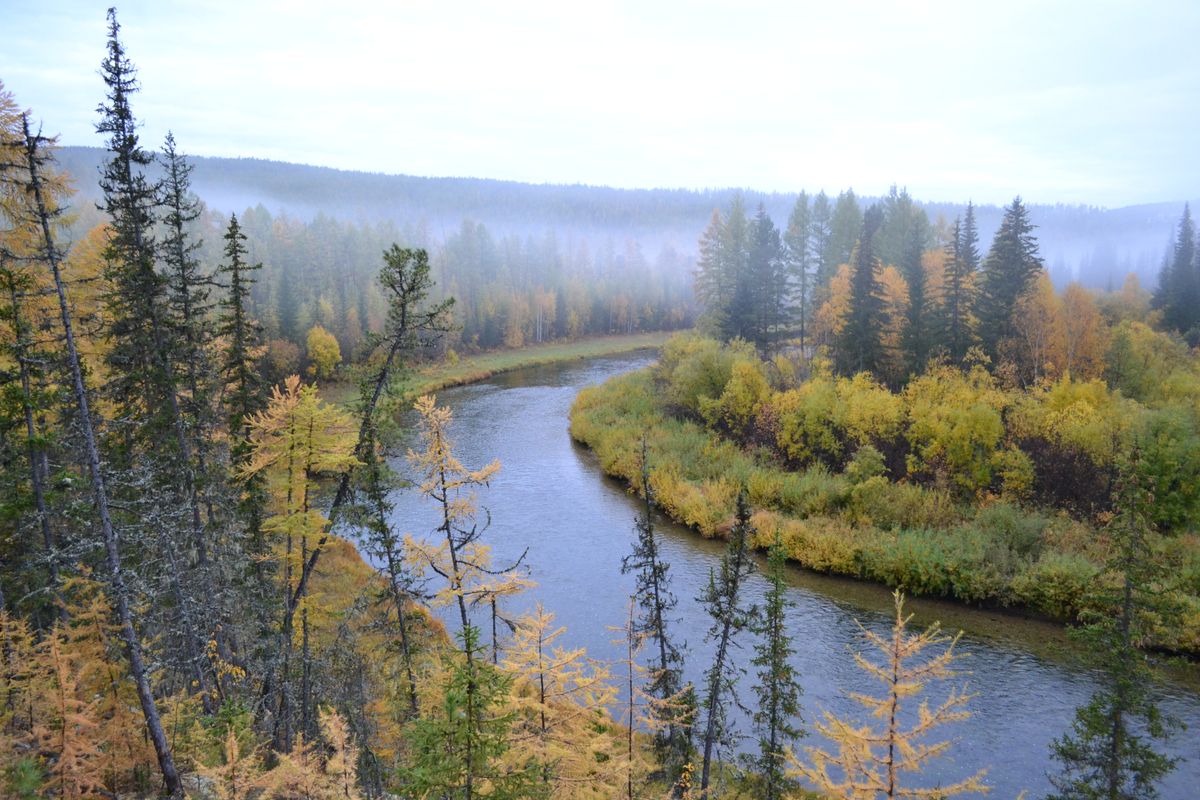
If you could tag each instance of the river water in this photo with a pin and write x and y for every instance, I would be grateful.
(551, 498)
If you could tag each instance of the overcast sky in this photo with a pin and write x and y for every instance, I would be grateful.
(1080, 102)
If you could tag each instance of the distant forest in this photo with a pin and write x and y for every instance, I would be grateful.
(545, 240)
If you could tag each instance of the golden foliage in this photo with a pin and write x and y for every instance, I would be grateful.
(878, 759)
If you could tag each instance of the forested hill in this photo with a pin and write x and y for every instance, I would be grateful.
(1095, 245)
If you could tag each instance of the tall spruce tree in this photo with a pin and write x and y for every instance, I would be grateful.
(157, 480)
(845, 226)
(955, 305)
(1010, 269)
(860, 346)
(768, 282)
(1109, 752)
(818, 242)
(142, 383)
(653, 596)
(798, 256)
(918, 334)
(723, 600)
(777, 717)
(1178, 292)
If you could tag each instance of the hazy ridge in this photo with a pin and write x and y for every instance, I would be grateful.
(1095, 245)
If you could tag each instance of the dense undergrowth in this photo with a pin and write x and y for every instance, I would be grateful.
(954, 487)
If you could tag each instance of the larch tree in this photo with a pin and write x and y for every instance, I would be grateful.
(885, 759)
(562, 699)
(1085, 338)
(724, 601)
(656, 601)
(412, 321)
(1109, 752)
(777, 716)
(470, 734)
(636, 704)
(294, 441)
(29, 399)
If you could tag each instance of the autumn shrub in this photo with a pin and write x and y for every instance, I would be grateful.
(808, 428)
(737, 408)
(1056, 584)
(1170, 465)
(822, 544)
(877, 501)
(813, 492)
(694, 370)
(867, 463)
(955, 428)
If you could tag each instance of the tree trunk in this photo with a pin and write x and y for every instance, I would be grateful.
(154, 727)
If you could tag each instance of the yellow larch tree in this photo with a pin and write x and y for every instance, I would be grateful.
(16, 662)
(561, 698)
(238, 775)
(1085, 339)
(458, 556)
(830, 317)
(66, 726)
(631, 762)
(92, 647)
(885, 758)
(1039, 334)
(294, 441)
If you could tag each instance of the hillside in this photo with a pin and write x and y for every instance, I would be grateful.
(1095, 245)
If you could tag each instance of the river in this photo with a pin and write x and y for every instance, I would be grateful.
(551, 498)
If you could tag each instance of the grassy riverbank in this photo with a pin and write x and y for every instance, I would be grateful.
(994, 552)
(470, 369)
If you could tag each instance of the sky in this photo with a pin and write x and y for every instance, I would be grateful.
(1091, 102)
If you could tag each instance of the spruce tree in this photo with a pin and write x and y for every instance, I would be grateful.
(798, 256)
(845, 225)
(1011, 266)
(242, 336)
(859, 347)
(818, 242)
(188, 299)
(777, 717)
(1178, 292)
(768, 283)
(917, 337)
(952, 328)
(141, 383)
(656, 601)
(723, 600)
(1109, 752)
(156, 481)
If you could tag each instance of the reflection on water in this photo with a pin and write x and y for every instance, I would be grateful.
(551, 498)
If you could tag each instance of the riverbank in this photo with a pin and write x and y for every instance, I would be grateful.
(995, 555)
(462, 370)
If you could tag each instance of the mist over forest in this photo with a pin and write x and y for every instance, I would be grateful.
(1095, 246)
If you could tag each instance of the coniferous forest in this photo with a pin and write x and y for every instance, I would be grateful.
(210, 423)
